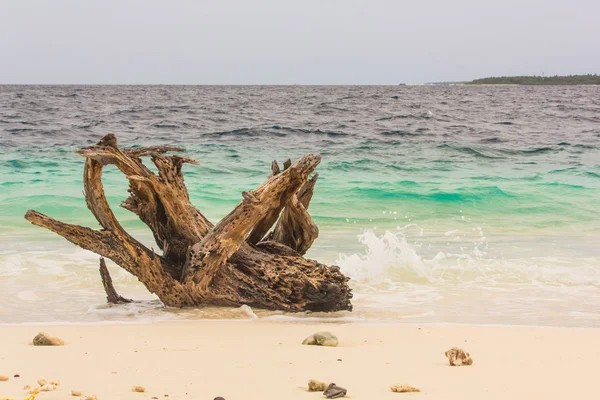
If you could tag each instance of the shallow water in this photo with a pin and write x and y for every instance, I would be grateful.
(444, 204)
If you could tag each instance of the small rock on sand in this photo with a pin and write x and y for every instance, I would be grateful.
(42, 382)
(404, 389)
(458, 357)
(219, 398)
(321, 339)
(3, 378)
(316, 386)
(91, 397)
(76, 393)
(139, 389)
(334, 391)
(43, 339)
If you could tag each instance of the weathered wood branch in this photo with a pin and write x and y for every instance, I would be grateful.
(87, 238)
(227, 236)
(295, 228)
(304, 195)
(261, 228)
(162, 202)
(112, 296)
(229, 264)
(151, 150)
(148, 267)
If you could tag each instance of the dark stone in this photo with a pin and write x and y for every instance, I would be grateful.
(334, 392)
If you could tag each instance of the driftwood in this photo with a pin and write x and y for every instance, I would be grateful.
(235, 262)
(112, 296)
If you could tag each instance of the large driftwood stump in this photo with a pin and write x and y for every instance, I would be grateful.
(235, 262)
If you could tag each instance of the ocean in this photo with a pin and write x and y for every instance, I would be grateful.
(444, 204)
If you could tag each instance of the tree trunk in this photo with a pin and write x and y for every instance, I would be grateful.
(232, 263)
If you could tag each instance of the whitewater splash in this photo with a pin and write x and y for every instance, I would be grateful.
(391, 258)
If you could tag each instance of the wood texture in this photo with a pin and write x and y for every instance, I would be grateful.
(112, 296)
(235, 262)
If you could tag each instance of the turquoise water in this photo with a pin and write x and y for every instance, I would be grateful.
(466, 205)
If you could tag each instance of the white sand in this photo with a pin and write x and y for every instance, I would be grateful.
(265, 360)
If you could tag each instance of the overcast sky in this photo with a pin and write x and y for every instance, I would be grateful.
(293, 42)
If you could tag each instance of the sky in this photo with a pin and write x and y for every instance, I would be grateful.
(293, 42)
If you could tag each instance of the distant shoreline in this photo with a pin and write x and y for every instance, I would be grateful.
(570, 80)
(517, 84)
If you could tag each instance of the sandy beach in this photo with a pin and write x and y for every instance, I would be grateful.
(265, 360)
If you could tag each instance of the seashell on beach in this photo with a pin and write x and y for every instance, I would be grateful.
(458, 357)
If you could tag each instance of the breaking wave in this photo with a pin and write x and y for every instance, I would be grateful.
(391, 257)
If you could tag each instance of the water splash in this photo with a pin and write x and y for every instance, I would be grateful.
(392, 258)
(386, 256)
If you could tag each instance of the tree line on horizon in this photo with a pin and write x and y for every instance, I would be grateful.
(589, 79)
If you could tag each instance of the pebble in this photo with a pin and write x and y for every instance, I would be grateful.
(76, 393)
(321, 339)
(334, 391)
(42, 382)
(91, 397)
(139, 389)
(43, 339)
(3, 378)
